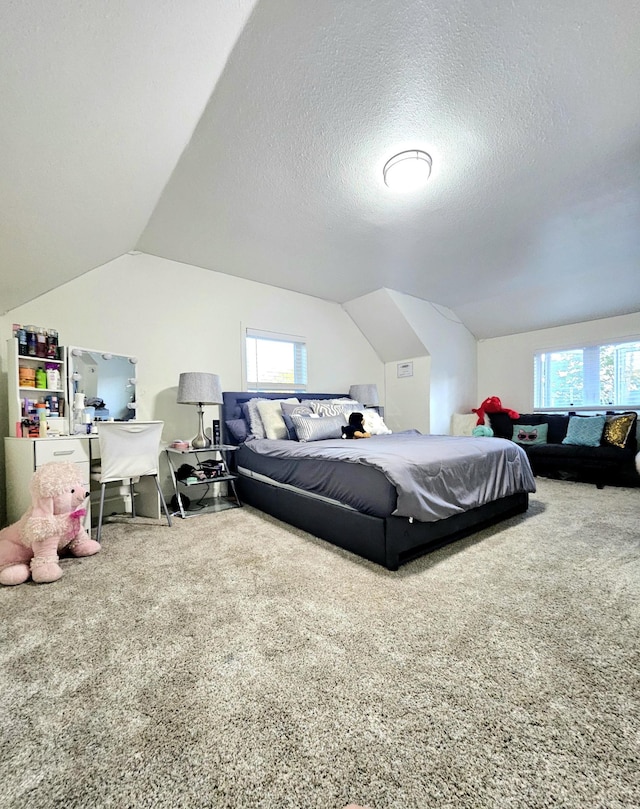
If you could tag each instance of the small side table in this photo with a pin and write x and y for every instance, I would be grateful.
(212, 466)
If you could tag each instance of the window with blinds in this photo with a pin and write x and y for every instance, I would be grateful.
(590, 376)
(275, 362)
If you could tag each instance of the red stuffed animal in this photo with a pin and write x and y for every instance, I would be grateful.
(493, 405)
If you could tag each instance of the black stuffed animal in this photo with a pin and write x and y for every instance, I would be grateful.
(355, 428)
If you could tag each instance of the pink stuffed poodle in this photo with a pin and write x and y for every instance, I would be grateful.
(30, 546)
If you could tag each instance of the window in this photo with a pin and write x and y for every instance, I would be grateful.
(591, 376)
(275, 362)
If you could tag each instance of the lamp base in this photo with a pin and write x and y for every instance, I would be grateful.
(201, 441)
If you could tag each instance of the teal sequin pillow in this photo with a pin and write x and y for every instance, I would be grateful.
(584, 431)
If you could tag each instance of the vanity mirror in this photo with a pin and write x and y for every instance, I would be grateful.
(102, 386)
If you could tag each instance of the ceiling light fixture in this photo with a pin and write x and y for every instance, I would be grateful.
(407, 170)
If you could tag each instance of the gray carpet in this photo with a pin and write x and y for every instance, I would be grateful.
(232, 661)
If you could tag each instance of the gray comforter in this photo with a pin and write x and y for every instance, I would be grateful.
(436, 476)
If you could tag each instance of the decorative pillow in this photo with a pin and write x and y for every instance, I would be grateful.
(463, 423)
(317, 429)
(584, 431)
(291, 430)
(617, 429)
(271, 416)
(528, 434)
(374, 423)
(300, 409)
(482, 431)
(295, 408)
(333, 407)
(238, 429)
(252, 415)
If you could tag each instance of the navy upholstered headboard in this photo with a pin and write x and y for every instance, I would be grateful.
(232, 402)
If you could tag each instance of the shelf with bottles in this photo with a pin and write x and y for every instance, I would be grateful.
(36, 342)
(34, 381)
(47, 379)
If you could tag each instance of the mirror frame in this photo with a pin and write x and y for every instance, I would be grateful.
(79, 424)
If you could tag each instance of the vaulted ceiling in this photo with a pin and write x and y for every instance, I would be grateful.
(249, 137)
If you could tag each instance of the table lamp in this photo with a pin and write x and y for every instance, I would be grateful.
(365, 394)
(200, 389)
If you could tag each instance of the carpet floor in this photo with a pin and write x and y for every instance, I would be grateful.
(233, 661)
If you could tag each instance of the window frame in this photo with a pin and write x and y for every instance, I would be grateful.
(591, 350)
(299, 343)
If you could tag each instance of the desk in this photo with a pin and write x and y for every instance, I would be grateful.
(210, 468)
(24, 455)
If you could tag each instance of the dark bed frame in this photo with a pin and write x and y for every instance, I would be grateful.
(388, 541)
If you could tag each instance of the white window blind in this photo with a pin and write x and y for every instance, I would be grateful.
(275, 362)
(588, 376)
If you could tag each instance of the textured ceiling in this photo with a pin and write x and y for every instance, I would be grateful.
(531, 217)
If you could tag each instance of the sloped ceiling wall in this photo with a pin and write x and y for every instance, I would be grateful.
(385, 326)
(98, 101)
(401, 327)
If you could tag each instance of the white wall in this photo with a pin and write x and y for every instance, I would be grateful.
(175, 318)
(407, 397)
(505, 364)
(452, 348)
(402, 327)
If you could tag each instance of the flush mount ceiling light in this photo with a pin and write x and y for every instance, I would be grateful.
(407, 170)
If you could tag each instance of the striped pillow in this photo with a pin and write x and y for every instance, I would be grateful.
(317, 429)
(333, 407)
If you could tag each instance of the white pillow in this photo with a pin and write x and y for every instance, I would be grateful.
(271, 416)
(463, 423)
(374, 423)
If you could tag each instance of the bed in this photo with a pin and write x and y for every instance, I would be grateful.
(388, 498)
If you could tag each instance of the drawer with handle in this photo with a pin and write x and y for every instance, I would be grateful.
(73, 450)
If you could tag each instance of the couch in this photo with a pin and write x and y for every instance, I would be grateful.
(610, 462)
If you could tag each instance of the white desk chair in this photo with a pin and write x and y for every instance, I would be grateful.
(128, 450)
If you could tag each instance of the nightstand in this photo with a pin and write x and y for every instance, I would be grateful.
(210, 469)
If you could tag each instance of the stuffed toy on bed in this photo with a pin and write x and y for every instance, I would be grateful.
(29, 547)
(355, 428)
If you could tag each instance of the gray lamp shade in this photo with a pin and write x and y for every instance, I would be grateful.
(198, 388)
(365, 394)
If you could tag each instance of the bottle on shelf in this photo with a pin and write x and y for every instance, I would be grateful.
(21, 334)
(42, 424)
(52, 344)
(53, 376)
(53, 404)
(26, 377)
(32, 341)
(41, 343)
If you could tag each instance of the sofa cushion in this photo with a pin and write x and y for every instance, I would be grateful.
(584, 431)
(618, 429)
(529, 434)
(606, 455)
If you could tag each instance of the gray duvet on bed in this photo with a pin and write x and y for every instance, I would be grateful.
(436, 476)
